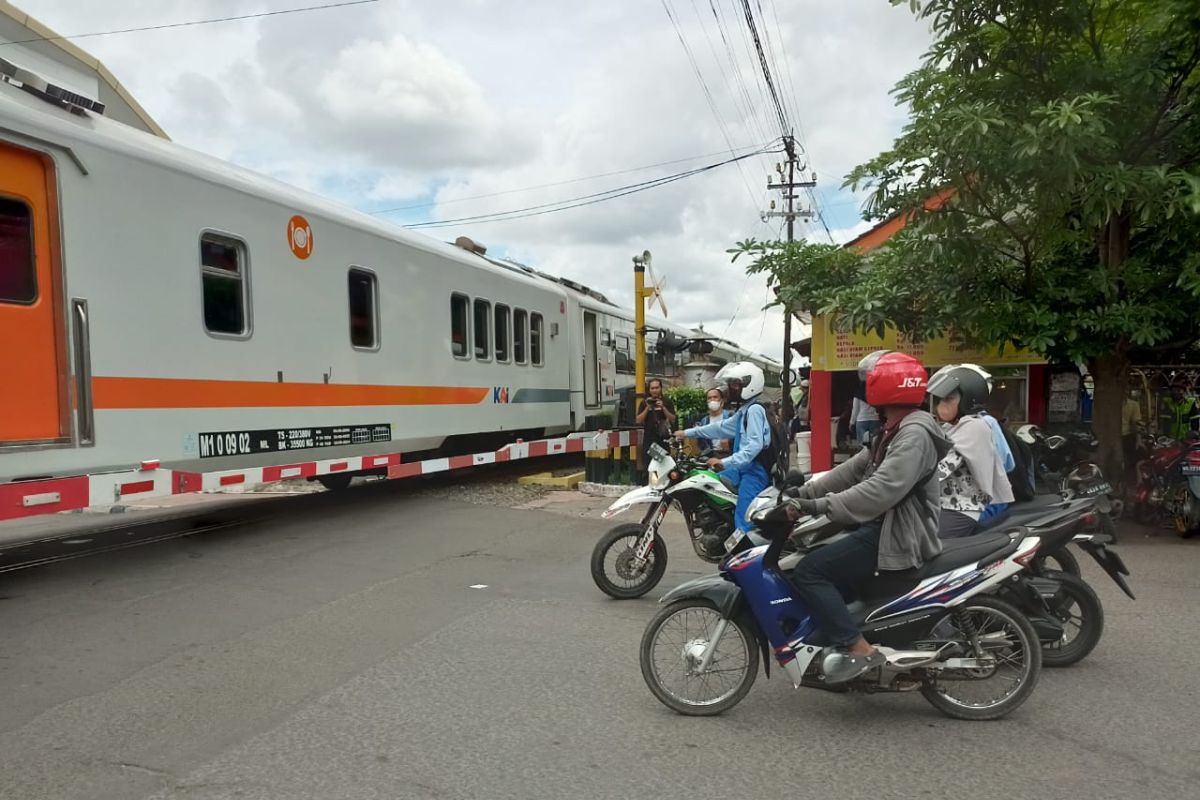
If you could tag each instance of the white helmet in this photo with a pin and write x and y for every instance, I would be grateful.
(750, 375)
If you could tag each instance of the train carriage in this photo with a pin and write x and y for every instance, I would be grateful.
(165, 309)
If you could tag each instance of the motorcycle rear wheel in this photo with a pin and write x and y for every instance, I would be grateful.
(1015, 644)
(621, 580)
(674, 643)
(1076, 604)
(1060, 560)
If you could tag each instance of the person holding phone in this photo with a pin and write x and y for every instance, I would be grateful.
(656, 415)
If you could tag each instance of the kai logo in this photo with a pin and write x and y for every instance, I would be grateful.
(499, 394)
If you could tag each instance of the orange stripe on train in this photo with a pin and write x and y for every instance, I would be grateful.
(114, 393)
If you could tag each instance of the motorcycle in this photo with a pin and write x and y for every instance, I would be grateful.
(1064, 610)
(1069, 617)
(1168, 485)
(637, 552)
(948, 636)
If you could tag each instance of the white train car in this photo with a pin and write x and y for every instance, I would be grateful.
(165, 312)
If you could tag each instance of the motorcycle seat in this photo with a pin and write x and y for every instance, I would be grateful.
(967, 550)
(1024, 513)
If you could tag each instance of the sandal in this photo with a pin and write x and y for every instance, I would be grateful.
(847, 667)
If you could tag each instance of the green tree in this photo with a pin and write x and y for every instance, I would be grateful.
(1048, 176)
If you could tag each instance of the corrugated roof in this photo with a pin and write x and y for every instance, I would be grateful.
(53, 38)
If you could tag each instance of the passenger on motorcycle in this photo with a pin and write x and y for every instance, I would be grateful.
(973, 476)
(889, 490)
(749, 430)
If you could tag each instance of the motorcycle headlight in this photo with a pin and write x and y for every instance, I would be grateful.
(658, 480)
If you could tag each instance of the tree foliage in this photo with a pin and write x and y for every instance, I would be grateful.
(1048, 176)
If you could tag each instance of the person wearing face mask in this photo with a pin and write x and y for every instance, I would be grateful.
(715, 399)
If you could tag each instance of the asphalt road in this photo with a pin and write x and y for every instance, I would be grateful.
(342, 652)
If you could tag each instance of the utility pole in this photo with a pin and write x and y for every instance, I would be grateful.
(789, 188)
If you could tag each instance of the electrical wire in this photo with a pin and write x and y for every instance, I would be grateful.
(194, 22)
(756, 147)
(584, 200)
(784, 128)
(707, 93)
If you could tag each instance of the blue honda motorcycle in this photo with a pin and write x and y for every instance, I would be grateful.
(970, 654)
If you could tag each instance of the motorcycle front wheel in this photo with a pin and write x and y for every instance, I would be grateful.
(613, 567)
(673, 650)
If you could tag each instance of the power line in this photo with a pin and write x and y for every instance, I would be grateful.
(584, 200)
(787, 74)
(707, 94)
(790, 110)
(747, 109)
(194, 22)
(759, 120)
(766, 69)
(764, 107)
(756, 147)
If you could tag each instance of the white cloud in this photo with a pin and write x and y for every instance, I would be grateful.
(384, 103)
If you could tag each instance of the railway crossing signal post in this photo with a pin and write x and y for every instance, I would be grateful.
(640, 293)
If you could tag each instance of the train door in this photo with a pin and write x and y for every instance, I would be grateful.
(591, 361)
(32, 383)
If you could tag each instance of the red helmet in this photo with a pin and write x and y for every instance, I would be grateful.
(893, 379)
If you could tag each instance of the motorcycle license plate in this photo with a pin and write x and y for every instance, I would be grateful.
(733, 540)
(1097, 488)
(1190, 469)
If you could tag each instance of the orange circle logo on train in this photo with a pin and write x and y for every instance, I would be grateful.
(300, 237)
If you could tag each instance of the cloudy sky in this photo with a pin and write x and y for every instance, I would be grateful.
(417, 109)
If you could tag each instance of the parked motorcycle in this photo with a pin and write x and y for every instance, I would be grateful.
(1168, 485)
(971, 654)
(1069, 617)
(630, 559)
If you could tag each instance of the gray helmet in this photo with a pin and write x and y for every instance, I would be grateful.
(971, 383)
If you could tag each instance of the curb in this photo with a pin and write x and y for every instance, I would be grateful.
(604, 489)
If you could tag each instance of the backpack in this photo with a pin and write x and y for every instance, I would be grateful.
(1021, 476)
(775, 458)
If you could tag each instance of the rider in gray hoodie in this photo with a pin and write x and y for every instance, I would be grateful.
(889, 491)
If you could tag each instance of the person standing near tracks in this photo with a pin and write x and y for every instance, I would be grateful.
(656, 415)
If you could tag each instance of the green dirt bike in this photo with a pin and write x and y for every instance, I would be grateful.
(630, 559)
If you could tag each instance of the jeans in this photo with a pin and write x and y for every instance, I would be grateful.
(863, 430)
(822, 577)
(955, 525)
(750, 481)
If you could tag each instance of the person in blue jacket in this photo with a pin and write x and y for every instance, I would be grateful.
(750, 433)
(715, 412)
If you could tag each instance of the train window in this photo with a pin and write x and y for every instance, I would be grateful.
(520, 324)
(502, 332)
(483, 329)
(223, 274)
(364, 309)
(535, 339)
(18, 276)
(458, 324)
